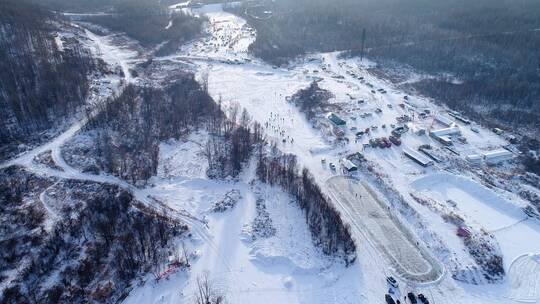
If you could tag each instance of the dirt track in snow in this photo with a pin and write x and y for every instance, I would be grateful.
(372, 220)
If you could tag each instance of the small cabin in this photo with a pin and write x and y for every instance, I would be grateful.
(335, 119)
(349, 165)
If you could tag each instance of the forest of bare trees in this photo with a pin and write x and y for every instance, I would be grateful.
(232, 142)
(312, 100)
(103, 241)
(40, 84)
(130, 127)
(152, 23)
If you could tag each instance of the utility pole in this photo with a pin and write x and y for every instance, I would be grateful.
(363, 43)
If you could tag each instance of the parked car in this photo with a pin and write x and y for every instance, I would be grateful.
(392, 282)
(423, 299)
(412, 298)
(389, 299)
(385, 143)
(396, 141)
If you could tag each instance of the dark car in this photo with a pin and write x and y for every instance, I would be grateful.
(411, 297)
(423, 299)
(386, 143)
(382, 143)
(389, 299)
(392, 282)
(396, 141)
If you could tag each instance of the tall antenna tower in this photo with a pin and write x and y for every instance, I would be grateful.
(363, 44)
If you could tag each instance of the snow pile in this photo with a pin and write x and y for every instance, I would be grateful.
(45, 158)
(227, 202)
(183, 158)
(261, 227)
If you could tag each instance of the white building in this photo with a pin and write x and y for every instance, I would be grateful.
(497, 156)
(349, 165)
(445, 131)
(474, 159)
(444, 120)
(417, 157)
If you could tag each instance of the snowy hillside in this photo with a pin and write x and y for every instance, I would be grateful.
(205, 173)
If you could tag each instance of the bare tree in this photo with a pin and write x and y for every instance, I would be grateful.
(204, 80)
(205, 293)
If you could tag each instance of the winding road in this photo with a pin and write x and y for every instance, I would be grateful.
(113, 55)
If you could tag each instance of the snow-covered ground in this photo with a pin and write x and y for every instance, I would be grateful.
(512, 228)
(236, 77)
(372, 217)
(286, 267)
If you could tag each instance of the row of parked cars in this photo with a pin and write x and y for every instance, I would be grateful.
(413, 299)
(383, 142)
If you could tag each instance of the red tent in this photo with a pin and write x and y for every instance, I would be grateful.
(463, 232)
